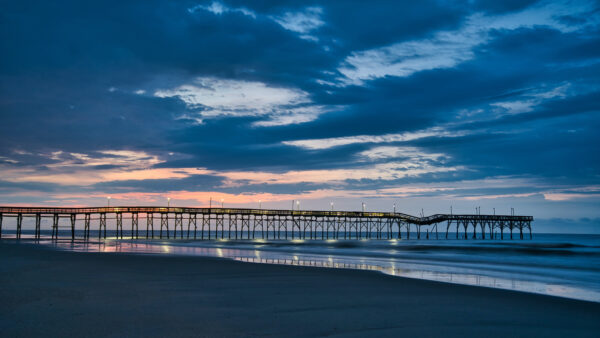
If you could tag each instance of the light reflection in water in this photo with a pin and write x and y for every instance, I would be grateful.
(387, 266)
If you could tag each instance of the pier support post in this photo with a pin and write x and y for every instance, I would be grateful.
(521, 229)
(178, 222)
(219, 222)
(482, 225)
(119, 218)
(205, 222)
(302, 230)
(164, 222)
(457, 227)
(86, 225)
(258, 221)
(399, 223)
(73, 218)
(245, 223)
(55, 226)
(192, 220)
(149, 224)
(202, 228)
(19, 225)
(1, 219)
(38, 221)
(134, 224)
(102, 225)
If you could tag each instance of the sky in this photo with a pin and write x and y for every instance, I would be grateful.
(428, 105)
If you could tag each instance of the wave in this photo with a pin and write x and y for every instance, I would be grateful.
(478, 247)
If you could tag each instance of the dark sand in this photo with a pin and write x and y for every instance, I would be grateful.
(45, 293)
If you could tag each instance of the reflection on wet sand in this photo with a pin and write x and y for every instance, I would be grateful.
(256, 252)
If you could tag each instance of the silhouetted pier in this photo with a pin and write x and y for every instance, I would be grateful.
(239, 223)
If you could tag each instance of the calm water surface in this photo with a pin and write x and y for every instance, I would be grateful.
(551, 264)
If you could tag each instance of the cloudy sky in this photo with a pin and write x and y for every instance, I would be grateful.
(426, 104)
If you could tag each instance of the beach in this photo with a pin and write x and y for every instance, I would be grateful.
(52, 293)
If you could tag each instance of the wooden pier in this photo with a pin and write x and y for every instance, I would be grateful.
(239, 223)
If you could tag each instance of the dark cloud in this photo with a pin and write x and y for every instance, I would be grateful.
(191, 183)
(81, 77)
(492, 6)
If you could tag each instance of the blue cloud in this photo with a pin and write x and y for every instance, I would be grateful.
(500, 90)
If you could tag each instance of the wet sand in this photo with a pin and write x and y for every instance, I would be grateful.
(59, 294)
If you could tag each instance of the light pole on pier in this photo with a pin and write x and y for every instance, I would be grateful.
(168, 202)
(298, 205)
(363, 206)
(222, 201)
(259, 204)
(394, 208)
(210, 202)
(108, 201)
(331, 206)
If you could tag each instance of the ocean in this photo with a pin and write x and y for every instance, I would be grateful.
(562, 265)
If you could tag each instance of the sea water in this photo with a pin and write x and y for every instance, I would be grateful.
(553, 264)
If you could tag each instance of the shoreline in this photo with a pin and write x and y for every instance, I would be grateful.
(508, 274)
(153, 295)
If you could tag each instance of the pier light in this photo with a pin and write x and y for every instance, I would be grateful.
(298, 205)
(222, 201)
(108, 201)
(331, 206)
(394, 208)
(259, 204)
(363, 206)
(168, 202)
